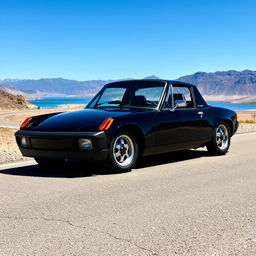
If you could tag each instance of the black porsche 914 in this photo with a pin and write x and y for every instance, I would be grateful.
(126, 120)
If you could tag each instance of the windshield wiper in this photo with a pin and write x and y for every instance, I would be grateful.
(118, 102)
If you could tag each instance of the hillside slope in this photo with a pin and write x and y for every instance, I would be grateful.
(9, 101)
(227, 83)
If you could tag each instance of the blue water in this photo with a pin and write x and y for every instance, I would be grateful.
(232, 106)
(54, 101)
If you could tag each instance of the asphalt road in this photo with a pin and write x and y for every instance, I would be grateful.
(185, 203)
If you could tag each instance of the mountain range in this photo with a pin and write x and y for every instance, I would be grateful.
(221, 85)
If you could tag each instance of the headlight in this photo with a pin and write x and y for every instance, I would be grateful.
(24, 142)
(85, 144)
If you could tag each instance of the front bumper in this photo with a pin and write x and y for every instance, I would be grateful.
(63, 145)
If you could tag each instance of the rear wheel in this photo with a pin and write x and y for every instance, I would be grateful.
(123, 153)
(49, 163)
(221, 140)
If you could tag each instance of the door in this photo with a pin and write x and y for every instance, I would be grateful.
(180, 128)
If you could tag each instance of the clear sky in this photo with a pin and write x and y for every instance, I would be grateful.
(111, 39)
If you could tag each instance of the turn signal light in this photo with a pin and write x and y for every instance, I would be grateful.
(27, 120)
(106, 124)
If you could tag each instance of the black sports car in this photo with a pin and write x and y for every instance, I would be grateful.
(126, 120)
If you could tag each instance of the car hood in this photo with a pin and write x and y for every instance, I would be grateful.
(81, 120)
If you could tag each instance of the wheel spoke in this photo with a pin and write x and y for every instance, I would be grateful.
(122, 158)
(117, 154)
(117, 146)
(126, 146)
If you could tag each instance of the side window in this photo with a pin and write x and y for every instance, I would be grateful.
(151, 94)
(179, 93)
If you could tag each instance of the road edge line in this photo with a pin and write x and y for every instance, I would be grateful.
(246, 133)
(17, 163)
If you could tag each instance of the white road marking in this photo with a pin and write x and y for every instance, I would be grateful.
(243, 134)
(17, 163)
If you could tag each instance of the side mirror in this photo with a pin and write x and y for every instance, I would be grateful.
(180, 103)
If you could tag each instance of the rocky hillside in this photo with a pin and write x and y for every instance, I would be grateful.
(9, 101)
(12, 90)
(228, 83)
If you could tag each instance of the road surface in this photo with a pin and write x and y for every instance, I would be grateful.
(186, 203)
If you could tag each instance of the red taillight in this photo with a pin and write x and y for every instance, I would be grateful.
(106, 124)
(236, 116)
(27, 120)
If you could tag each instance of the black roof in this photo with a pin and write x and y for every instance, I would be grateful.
(152, 80)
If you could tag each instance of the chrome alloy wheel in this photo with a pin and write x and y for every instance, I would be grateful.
(123, 150)
(222, 137)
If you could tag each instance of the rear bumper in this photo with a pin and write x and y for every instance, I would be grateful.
(236, 125)
(63, 145)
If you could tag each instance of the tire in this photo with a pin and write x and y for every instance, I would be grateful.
(123, 152)
(220, 142)
(49, 163)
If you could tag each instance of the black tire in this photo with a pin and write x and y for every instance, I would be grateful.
(220, 142)
(129, 152)
(50, 163)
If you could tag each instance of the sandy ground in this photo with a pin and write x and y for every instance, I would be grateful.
(247, 115)
(9, 151)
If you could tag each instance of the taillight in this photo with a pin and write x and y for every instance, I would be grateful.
(106, 124)
(236, 116)
(27, 120)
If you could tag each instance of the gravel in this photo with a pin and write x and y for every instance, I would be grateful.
(11, 155)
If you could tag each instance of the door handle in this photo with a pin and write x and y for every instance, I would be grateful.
(200, 113)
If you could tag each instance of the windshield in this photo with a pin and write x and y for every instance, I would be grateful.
(131, 95)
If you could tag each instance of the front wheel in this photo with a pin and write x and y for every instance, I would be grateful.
(220, 142)
(123, 153)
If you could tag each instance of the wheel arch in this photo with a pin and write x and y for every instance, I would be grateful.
(137, 132)
(230, 125)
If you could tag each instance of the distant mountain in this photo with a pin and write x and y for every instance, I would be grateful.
(151, 77)
(11, 90)
(56, 86)
(222, 83)
(227, 83)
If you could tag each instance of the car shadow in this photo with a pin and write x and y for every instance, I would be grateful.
(37, 171)
(77, 170)
(172, 157)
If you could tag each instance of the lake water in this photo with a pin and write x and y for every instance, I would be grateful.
(54, 101)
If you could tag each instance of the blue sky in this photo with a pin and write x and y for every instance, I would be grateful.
(111, 39)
